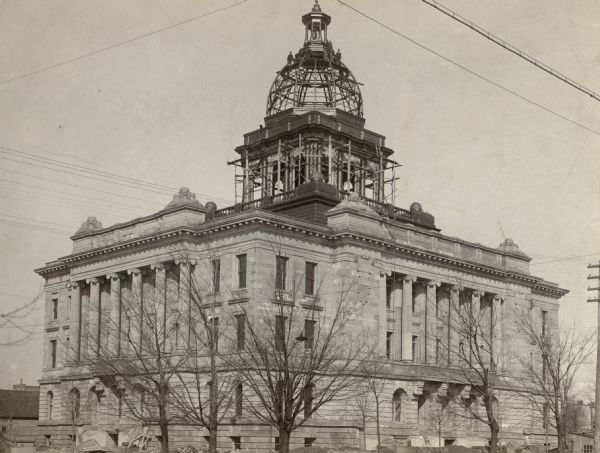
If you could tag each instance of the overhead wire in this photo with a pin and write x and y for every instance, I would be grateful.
(91, 173)
(119, 194)
(120, 44)
(470, 71)
(509, 47)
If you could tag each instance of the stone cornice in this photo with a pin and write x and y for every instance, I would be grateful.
(296, 226)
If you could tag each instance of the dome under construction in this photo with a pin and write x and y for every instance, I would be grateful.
(315, 77)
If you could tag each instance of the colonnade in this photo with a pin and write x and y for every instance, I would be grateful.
(112, 311)
(433, 320)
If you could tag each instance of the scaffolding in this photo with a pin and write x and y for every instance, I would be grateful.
(294, 161)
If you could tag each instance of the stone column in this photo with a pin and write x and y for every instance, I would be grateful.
(396, 305)
(185, 287)
(453, 340)
(114, 318)
(498, 330)
(480, 317)
(75, 293)
(94, 317)
(135, 311)
(407, 299)
(160, 299)
(431, 321)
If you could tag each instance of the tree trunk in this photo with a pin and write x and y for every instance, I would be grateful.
(164, 436)
(212, 439)
(561, 437)
(284, 441)
(377, 423)
(494, 430)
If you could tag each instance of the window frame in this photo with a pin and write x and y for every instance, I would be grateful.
(53, 353)
(54, 308)
(281, 263)
(240, 332)
(216, 275)
(310, 273)
(242, 262)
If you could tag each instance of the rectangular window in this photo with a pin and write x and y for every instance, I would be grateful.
(69, 301)
(438, 345)
(277, 445)
(242, 262)
(240, 321)
(52, 353)
(237, 442)
(388, 344)
(214, 332)
(544, 322)
(280, 272)
(415, 348)
(415, 307)
(280, 332)
(437, 309)
(309, 333)
(389, 289)
(216, 275)
(55, 308)
(588, 448)
(239, 394)
(309, 278)
(309, 441)
(308, 400)
(544, 366)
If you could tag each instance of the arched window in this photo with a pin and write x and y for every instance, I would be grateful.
(50, 397)
(74, 404)
(397, 400)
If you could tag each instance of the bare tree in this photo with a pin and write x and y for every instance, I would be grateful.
(549, 370)
(201, 401)
(294, 360)
(134, 354)
(439, 415)
(369, 395)
(474, 357)
(71, 403)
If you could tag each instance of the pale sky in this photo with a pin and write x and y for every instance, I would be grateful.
(170, 108)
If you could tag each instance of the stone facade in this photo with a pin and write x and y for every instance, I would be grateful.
(313, 183)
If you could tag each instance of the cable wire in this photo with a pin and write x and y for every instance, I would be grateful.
(470, 71)
(120, 44)
(509, 47)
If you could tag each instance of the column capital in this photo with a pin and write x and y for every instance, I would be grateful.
(434, 284)
(134, 271)
(72, 285)
(456, 288)
(478, 293)
(93, 281)
(114, 276)
(497, 298)
(185, 261)
(158, 267)
(409, 279)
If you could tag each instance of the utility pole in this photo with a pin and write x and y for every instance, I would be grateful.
(597, 398)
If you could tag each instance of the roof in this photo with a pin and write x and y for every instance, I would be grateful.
(19, 404)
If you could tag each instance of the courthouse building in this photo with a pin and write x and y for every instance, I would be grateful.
(319, 184)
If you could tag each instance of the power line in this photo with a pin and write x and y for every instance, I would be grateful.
(505, 45)
(85, 170)
(92, 173)
(120, 195)
(35, 220)
(35, 227)
(470, 71)
(75, 205)
(33, 186)
(119, 44)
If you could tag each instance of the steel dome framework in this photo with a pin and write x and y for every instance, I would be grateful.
(315, 77)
